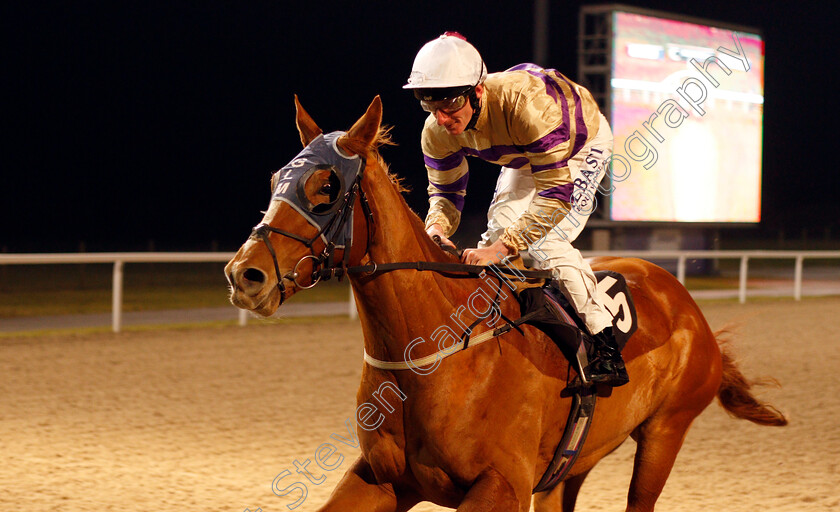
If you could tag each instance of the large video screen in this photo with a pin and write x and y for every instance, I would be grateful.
(686, 107)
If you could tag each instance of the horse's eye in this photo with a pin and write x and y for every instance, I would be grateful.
(326, 189)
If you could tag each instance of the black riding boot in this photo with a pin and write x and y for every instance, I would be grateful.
(607, 365)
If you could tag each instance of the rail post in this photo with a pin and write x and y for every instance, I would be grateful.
(742, 285)
(797, 278)
(681, 269)
(117, 297)
(352, 312)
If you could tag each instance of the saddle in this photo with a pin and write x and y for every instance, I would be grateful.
(548, 310)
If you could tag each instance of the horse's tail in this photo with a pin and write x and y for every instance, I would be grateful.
(734, 392)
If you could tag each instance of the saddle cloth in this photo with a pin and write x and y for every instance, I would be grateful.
(552, 313)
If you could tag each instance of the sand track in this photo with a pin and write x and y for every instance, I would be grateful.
(205, 419)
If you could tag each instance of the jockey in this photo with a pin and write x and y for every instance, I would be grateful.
(552, 142)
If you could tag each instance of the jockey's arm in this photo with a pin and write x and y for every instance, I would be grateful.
(448, 177)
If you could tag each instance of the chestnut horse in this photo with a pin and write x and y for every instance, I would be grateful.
(478, 432)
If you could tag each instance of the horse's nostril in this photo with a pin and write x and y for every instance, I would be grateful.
(254, 275)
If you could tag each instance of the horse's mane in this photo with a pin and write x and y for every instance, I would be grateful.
(383, 138)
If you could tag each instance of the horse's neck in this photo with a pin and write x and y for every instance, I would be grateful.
(397, 307)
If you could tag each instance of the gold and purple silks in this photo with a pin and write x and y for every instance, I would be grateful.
(530, 118)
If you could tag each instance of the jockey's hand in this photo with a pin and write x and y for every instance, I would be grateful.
(435, 231)
(492, 254)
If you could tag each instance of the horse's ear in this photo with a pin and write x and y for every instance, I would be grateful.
(306, 126)
(366, 128)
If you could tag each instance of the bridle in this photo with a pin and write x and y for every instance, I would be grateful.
(334, 230)
(323, 266)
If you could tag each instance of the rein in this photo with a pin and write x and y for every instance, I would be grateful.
(437, 266)
(325, 267)
(336, 233)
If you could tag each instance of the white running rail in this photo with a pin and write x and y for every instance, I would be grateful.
(119, 259)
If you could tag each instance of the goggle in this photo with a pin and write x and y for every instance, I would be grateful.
(448, 107)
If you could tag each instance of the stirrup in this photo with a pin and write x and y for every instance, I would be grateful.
(615, 376)
(582, 363)
(615, 379)
(608, 362)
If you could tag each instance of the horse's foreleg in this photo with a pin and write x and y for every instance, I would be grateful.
(492, 492)
(358, 490)
(562, 498)
(550, 501)
(658, 443)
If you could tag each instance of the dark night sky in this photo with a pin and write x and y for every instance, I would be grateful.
(126, 122)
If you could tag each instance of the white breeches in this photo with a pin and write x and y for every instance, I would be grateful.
(514, 191)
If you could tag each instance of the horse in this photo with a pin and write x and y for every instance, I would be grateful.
(477, 432)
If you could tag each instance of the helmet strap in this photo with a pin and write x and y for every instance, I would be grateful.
(476, 107)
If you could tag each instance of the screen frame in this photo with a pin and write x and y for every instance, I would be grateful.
(605, 218)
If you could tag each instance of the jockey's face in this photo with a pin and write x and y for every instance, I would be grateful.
(456, 122)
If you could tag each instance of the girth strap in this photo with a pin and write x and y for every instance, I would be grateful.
(574, 435)
(472, 341)
(466, 340)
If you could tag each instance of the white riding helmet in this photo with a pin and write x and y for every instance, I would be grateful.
(448, 62)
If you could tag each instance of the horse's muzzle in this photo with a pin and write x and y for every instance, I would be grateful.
(251, 289)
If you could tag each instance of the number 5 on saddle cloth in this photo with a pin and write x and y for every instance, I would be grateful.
(548, 310)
